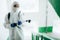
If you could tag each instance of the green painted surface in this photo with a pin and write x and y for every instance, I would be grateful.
(49, 29)
(42, 37)
(42, 29)
(8, 38)
(32, 37)
(37, 37)
(56, 6)
(46, 38)
(45, 29)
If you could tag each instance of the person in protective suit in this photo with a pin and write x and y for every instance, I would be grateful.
(13, 21)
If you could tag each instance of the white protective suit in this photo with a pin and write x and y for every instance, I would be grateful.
(15, 33)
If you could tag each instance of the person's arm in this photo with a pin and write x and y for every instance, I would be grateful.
(7, 23)
(21, 19)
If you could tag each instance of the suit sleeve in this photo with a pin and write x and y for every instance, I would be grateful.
(6, 23)
(21, 17)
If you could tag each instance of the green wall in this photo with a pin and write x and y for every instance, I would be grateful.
(56, 6)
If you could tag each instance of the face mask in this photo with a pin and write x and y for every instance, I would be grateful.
(15, 7)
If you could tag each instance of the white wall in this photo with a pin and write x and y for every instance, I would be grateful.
(42, 12)
(3, 11)
(26, 5)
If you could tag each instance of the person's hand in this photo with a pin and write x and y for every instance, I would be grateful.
(13, 24)
(19, 22)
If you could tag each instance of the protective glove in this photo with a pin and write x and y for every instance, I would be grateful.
(19, 22)
(13, 24)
